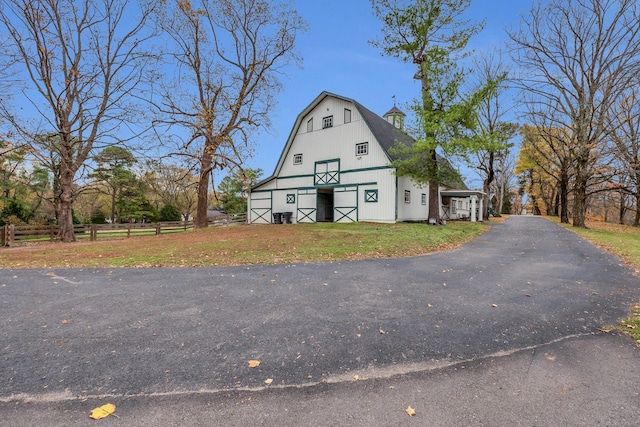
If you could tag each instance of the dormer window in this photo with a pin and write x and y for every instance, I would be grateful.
(310, 125)
(347, 116)
(327, 122)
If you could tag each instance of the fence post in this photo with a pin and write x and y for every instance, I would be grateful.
(11, 234)
(5, 231)
(52, 232)
(157, 228)
(93, 232)
(129, 230)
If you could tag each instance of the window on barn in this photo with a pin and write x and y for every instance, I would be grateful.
(407, 196)
(371, 196)
(362, 149)
(297, 159)
(310, 125)
(327, 122)
(347, 115)
(423, 199)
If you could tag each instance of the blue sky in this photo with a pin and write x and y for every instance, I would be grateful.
(338, 58)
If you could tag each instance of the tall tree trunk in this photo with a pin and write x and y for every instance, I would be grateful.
(501, 199)
(65, 205)
(113, 206)
(564, 196)
(580, 196)
(486, 186)
(622, 209)
(202, 221)
(434, 184)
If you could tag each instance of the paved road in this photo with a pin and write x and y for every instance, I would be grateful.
(474, 336)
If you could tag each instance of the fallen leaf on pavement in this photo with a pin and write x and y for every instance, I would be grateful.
(254, 363)
(103, 411)
(410, 411)
(268, 381)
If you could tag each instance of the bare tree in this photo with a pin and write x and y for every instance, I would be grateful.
(494, 131)
(624, 122)
(172, 185)
(504, 182)
(579, 57)
(228, 56)
(79, 62)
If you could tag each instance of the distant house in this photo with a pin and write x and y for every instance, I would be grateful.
(335, 166)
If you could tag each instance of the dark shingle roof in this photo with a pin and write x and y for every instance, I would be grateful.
(386, 133)
(394, 110)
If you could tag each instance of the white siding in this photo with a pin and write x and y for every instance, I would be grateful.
(415, 210)
(384, 210)
(336, 142)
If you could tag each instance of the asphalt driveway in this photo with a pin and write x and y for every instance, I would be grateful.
(70, 336)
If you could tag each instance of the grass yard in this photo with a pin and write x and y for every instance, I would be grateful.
(241, 245)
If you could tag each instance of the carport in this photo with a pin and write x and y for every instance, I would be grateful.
(475, 200)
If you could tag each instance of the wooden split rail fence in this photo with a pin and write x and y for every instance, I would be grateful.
(12, 234)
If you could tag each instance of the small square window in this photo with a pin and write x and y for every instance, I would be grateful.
(423, 198)
(297, 159)
(347, 115)
(362, 149)
(291, 198)
(371, 196)
(407, 196)
(327, 122)
(310, 125)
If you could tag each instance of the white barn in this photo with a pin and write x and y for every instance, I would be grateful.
(335, 167)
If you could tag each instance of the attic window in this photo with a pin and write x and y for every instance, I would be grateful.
(362, 149)
(297, 159)
(347, 115)
(327, 122)
(310, 125)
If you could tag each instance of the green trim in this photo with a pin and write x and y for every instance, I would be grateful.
(345, 212)
(327, 177)
(308, 215)
(366, 169)
(267, 211)
(296, 176)
(341, 172)
(371, 196)
(291, 198)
